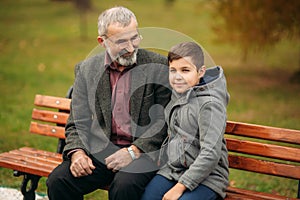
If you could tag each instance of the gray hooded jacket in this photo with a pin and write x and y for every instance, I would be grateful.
(196, 121)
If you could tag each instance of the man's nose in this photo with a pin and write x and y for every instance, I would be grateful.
(130, 47)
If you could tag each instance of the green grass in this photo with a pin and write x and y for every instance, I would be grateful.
(40, 44)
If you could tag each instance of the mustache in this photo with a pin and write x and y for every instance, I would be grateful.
(124, 51)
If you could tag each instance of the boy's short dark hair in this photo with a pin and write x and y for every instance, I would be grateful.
(187, 49)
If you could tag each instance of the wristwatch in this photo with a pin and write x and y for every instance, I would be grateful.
(131, 152)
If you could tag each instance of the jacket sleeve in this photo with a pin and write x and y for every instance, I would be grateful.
(78, 123)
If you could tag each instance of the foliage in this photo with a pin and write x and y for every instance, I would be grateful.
(257, 24)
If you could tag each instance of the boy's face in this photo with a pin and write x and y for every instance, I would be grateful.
(183, 74)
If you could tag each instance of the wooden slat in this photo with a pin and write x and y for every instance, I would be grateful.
(13, 164)
(18, 156)
(22, 161)
(261, 149)
(47, 130)
(55, 159)
(52, 102)
(234, 196)
(50, 116)
(237, 193)
(41, 152)
(264, 167)
(263, 132)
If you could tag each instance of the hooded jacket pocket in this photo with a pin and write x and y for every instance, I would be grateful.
(191, 151)
(175, 151)
(182, 151)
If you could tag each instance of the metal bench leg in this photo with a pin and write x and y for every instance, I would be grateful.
(298, 196)
(28, 191)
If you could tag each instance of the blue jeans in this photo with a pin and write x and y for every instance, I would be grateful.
(159, 185)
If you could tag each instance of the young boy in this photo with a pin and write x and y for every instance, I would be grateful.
(197, 165)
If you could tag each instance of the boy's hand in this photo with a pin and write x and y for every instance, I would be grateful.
(175, 192)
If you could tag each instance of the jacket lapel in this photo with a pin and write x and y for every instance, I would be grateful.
(103, 101)
(138, 83)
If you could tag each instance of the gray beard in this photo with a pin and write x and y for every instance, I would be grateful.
(124, 61)
(127, 61)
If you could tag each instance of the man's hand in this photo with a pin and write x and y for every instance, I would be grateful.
(175, 192)
(81, 164)
(119, 159)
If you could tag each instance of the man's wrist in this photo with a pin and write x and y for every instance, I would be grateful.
(70, 153)
(136, 151)
(131, 152)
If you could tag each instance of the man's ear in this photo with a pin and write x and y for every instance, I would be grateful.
(101, 41)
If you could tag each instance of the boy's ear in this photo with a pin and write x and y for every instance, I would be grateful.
(201, 71)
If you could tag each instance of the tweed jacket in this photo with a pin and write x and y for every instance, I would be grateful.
(89, 124)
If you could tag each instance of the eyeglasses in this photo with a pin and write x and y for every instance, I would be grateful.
(123, 43)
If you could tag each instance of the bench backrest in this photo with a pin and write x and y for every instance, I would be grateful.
(262, 149)
(50, 116)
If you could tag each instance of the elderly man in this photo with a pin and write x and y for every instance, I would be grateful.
(116, 125)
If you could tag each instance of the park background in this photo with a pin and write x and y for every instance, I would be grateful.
(42, 40)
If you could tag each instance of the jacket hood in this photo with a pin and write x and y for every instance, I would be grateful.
(212, 84)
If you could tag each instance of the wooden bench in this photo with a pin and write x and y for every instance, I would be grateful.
(255, 148)
(49, 118)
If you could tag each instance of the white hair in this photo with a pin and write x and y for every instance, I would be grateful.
(118, 14)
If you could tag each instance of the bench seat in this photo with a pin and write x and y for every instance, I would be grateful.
(30, 160)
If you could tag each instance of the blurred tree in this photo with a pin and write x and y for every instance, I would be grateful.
(258, 24)
(83, 6)
(169, 3)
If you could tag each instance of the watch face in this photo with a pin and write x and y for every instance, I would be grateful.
(131, 153)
